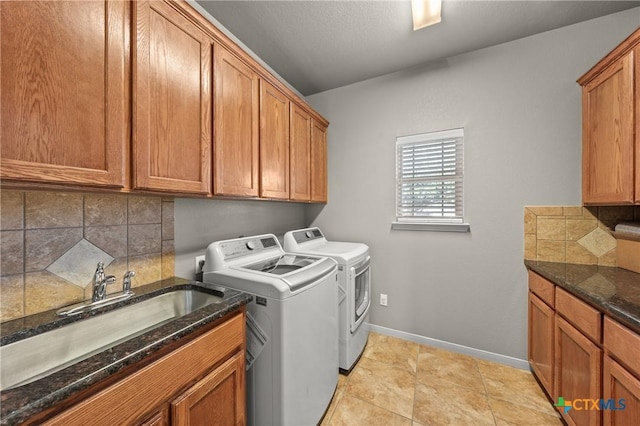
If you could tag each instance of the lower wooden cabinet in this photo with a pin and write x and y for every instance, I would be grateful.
(541, 346)
(218, 399)
(578, 371)
(583, 357)
(621, 390)
(199, 383)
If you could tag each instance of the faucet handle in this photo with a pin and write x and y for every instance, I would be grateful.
(126, 281)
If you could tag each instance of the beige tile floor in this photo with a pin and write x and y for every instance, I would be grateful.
(397, 382)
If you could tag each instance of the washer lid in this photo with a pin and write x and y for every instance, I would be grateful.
(282, 264)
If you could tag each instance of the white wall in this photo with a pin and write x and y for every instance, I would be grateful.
(199, 222)
(520, 107)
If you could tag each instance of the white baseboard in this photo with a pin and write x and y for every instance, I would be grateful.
(453, 347)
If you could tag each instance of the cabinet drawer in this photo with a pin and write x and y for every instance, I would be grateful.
(542, 288)
(135, 396)
(623, 344)
(581, 315)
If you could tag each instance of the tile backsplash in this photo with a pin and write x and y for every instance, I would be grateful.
(574, 234)
(51, 242)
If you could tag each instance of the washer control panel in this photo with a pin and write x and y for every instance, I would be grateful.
(238, 248)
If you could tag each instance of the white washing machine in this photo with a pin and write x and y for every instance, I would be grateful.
(354, 287)
(292, 327)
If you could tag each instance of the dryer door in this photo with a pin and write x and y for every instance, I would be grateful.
(361, 286)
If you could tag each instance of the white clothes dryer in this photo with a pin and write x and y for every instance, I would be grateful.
(292, 327)
(354, 287)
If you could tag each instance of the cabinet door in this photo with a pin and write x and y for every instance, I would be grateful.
(621, 387)
(540, 351)
(274, 142)
(64, 92)
(161, 418)
(218, 399)
(578, 369)
(318, 162)
(608, 135)
(636, 54)
(172, 101)
(300, 154)
(235, 126)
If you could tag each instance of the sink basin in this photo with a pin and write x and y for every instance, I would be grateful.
(35, 357)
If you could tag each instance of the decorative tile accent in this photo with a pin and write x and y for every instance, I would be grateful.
(578, 228)
(578, 254)
(168, 259)
(144, 210)
(144, 239)
(78, 265)
(52, 210)
(148, 268)
(549, 228)
(574, 234)
(105, 209)
(12, 300)
(598, 242)
(11, 252)
(44, 246)
(111, 239)
(56, 222)
(167, 220)
(44, 290)
(11, 210)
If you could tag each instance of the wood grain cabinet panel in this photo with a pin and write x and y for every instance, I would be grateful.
(172, 101)
(64, 92)
(623, 389)
(541, 344)
(274, 142)
(610, 138)
(146, 393)
(300, 154)
(218, 399)
(236, 126)
(318, 162)
(578, 372)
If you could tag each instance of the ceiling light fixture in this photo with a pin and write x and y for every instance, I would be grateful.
(425, 13)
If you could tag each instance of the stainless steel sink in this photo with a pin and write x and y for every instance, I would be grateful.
(35, 357)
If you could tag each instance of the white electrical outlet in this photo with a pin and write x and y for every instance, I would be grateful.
(199, 264)
(383, 299)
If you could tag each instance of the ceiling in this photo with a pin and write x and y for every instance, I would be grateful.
(318, 45)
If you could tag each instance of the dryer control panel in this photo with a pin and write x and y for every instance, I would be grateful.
(307, 235)
(237, 248)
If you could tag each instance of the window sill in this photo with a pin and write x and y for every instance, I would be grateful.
(431, 226)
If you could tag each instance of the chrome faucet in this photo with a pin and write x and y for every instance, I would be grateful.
(126, 281)
(100, 282)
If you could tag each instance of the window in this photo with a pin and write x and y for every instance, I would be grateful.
(429, 181)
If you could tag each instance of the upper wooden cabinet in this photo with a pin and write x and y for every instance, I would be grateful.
(64, 92)
(274, 142)
(610, 127)
(318, 162)
(236, 126)
(148, 96)
(171, 101)
(300, 154)
(308, 157)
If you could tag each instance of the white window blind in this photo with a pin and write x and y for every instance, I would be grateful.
(429, 177)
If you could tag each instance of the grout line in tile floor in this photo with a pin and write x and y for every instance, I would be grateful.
(398, 382)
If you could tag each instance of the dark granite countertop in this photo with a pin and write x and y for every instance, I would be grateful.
(18, 404)
(613, 291)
